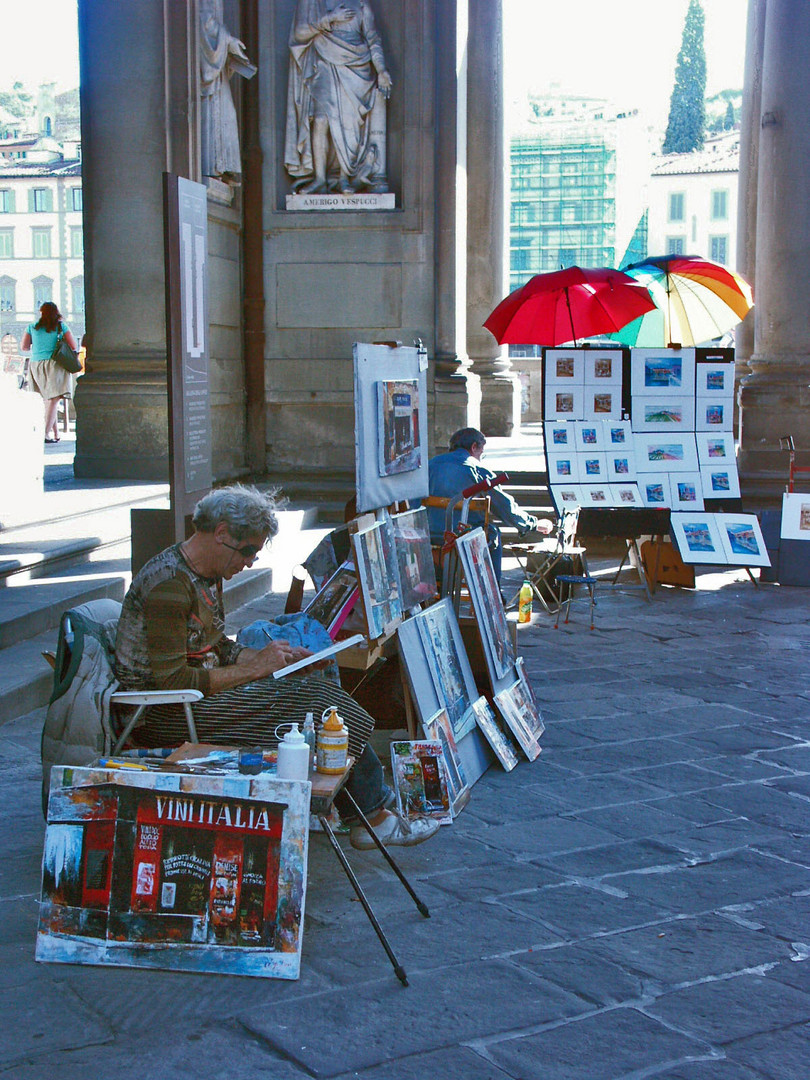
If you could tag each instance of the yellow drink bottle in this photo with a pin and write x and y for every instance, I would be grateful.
(525, 603)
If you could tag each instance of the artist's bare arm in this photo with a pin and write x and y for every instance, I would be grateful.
(253, 664)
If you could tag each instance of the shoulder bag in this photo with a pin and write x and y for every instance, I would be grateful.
(66, 357)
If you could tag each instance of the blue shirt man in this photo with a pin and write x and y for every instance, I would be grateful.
(460, 468)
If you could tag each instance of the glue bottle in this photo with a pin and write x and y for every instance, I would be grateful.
(293, 756)
(525, 603)
(333, 743)
(309, 734)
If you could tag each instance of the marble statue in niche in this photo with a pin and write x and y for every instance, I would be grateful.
(221, 56)
(336, 99)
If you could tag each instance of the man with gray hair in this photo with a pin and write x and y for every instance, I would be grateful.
(459, 469)
(171, 635)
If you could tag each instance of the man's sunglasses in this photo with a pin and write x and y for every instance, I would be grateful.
(247, 551)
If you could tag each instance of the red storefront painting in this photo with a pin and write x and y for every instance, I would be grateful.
(196, 872)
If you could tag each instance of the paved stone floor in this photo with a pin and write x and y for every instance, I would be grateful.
(634, 904)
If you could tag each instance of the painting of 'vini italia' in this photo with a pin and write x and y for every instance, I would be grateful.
(180, 871)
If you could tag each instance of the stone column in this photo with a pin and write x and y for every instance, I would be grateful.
(487, 165)
(749, 157)
(774, 398)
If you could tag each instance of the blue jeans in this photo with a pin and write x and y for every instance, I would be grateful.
(366, 786)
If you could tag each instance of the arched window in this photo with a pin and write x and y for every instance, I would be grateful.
(8, 294)
(77, 296)
(43, 290)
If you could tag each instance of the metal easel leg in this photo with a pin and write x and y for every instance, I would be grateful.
(399, 970)
(421, 906)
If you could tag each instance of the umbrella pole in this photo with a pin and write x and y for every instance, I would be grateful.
(669, 312)
(570, 317)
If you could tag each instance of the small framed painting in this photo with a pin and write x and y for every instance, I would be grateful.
(713, 415)
(603, 368)
(378, 577)
(742, 539)
(795, 516)
(720, 481)
(559, 437)
(420, 780)
(497, 739)
(563, 468)
(564, 366)
(618, 433)
(596, 495)
(666, 453)
(686, 491)
(590, 436)
(715, 448)
(621, 464)
(714, 380)
(439, 729)
(592, 466)
(537, 726)
(487, 603)
(518, 714)
(564, 402)
(602, 403)
(664, 414)
(566, 497)
(654, 489)
(626, 495)
(662, 373)
(697, 538)
(398, 426)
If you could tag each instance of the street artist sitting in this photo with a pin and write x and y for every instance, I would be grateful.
(460, 468)
(171, 636)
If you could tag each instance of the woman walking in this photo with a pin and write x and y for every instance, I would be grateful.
(45, 376)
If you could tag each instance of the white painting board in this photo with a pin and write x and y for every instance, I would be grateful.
(618, 434)
(662, 452)
(686, 491)
(742, 540)
(603, 367)
(564, 367)
(715, 448)
(374, 364)
(621, 464)
(563, 468)
(566, 496)
(714, 379)
(590, 435)
(711, 415)
(795, 516)
(564, 402)
(602, 403)
(654, 489)
(626, 495)
(592, 467)
(662, 373)
(720, 481)
(488, 606)
(559, 437)
(664, 414)
(698, 538)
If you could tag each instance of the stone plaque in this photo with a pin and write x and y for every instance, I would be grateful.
(361, 201)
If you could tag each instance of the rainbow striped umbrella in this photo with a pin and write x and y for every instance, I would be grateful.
(696, 300)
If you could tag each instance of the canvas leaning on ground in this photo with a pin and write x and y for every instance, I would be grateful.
(501, 746)
(420, 780)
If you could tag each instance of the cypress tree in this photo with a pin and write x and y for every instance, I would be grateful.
(687, 109)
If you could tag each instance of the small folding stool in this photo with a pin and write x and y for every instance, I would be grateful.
(571, 580)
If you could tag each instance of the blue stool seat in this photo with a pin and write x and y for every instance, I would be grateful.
(576, 579)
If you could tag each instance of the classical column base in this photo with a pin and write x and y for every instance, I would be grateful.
(774, 402)
(122, 425)
(500, 396)
(456, 402)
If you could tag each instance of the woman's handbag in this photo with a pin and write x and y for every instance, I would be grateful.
(66, 357)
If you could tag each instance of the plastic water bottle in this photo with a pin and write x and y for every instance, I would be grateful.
(525, 603)
(309, 735)
(293, 756)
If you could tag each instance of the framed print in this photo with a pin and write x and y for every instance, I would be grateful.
(602, 403)
(500, 743)
(626, 495)
(675, 452)
(487, 604)
(654, 489)
(618, 433)
(559, 437)
(662, 373)
(377, 573)
(596, 495)
(715, 448)
(564, 402)
(398, 432)
(564, 367)
(566, 496)
(590, 436)
(439, 729)
(713, 415)
(515, 710)
(714, 380)
(592, 467)
(621, 464)
(795, 516)
(563, 468)
(335, 599)
(183, 871)
(664, 414)
(603, 368)
(686, 491)
(697, 538)
(420, 780)
(720, 481)
(417, 574)
(532, 711)
(742, 540)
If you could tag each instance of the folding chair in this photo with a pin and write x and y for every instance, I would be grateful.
(542, 561)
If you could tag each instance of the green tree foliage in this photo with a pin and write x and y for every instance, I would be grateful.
(17, 101)
(687, 108)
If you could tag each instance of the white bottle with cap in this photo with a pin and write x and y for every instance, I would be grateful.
(293, 756)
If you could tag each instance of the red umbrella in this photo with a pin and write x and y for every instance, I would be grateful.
(555, 308)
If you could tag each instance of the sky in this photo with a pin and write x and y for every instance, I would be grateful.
(623, 50)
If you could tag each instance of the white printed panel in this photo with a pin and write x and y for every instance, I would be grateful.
(592, 468)
(664, 414)
(590, 436)
(654, 489)
(566, 497)
(711, 415)
(665, 452)
(603, 368)
(662, 373)
(698, 538)
(686, 491)
(715, 448)
(564, 402)
(596, 495)
(559, 436)
(742, 539)
(563, 468)
(626, 495)
(602, 402)
(618, 433)
(564, 367)
(621, 464)
(720, 481)
(795, 516)
(714, 380)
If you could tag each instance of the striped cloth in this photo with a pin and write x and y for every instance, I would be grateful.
(249, 715)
